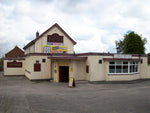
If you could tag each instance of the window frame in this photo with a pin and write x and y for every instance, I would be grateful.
(133, 64)
(87, 68)
(37, 67)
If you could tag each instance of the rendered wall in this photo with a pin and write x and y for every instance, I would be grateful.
(78, 69)
(96, 70)
(14, 71)
(43, 41)
(100, 72)
(119, 77)
(56, 65)
(143, 72)
(45, 68)
(26, 51)
(29, 49)
(145, 69)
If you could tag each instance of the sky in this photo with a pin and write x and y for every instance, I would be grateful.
(94, 24)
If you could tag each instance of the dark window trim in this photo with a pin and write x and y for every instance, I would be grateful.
(37, 67)
(87, 68)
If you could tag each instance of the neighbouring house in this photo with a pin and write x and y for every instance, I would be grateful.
(51, 56)
(14, 62)
(15, 53)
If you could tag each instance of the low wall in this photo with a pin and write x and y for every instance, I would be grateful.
(125, 77)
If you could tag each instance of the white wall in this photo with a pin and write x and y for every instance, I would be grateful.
(100, 72)
(45, 72)
(14, 71)
(96, 70)
(29, 49)
(145, 68)
(43, 41)
(79, 69)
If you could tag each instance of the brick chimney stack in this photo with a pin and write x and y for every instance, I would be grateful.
(37, 34)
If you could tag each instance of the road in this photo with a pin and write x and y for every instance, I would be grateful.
(19, 95)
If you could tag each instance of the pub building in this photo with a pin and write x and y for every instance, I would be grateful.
(51, 56)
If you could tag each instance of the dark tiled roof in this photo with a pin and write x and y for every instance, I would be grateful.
(14, 53)
(81, 54)
(55, 25)
(66, 57)
(29, 44)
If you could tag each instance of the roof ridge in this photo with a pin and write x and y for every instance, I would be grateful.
(15, 52)
(54, 25)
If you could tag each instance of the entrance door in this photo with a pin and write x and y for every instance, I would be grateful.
(63, 73)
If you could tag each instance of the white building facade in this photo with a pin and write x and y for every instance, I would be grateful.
(51, 56)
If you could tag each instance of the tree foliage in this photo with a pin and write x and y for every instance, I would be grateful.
(120, 46)
(1, 61)
(131, 44)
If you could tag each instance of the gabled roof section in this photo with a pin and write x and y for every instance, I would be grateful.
(15, 53)
(55, 25)
(29, 44)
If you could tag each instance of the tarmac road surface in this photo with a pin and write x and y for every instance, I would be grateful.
(19, 95)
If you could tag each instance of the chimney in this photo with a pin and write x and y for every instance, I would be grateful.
(37, 34)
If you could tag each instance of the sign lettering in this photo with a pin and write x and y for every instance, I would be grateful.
(55, 49)
(14, 64)
(122, 56)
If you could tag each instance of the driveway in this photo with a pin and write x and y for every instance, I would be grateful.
(19, 95)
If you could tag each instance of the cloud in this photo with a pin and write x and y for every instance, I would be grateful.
(85, 37)
(94, 24)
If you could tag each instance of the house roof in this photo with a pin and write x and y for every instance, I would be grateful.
(55, 25)
(67, 57)
(81, 54)
(14, 53)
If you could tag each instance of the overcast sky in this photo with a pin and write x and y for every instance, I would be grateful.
(93, 24)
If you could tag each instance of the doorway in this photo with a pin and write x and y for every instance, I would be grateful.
(63, 73)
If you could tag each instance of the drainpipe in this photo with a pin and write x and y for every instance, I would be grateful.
(51, 66)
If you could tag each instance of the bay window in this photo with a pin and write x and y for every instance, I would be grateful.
(123, 67)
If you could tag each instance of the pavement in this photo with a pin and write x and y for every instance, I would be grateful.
(19, 95)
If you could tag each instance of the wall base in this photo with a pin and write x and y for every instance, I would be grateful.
(119, 82)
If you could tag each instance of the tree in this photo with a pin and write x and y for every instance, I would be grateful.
(131, 44)
(1, 63)
(1, 60)
(120, 46)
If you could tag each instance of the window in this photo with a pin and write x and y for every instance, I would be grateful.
(87, 69)
(123, 67)
(37, 67)
(43, 60)
(100, 61)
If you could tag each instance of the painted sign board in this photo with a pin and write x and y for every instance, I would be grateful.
(55, 38)
(14, 64)
(46, 49)
(122, 56)
(54, 49)
(56, 44)
(71, 69)
(70, 84)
